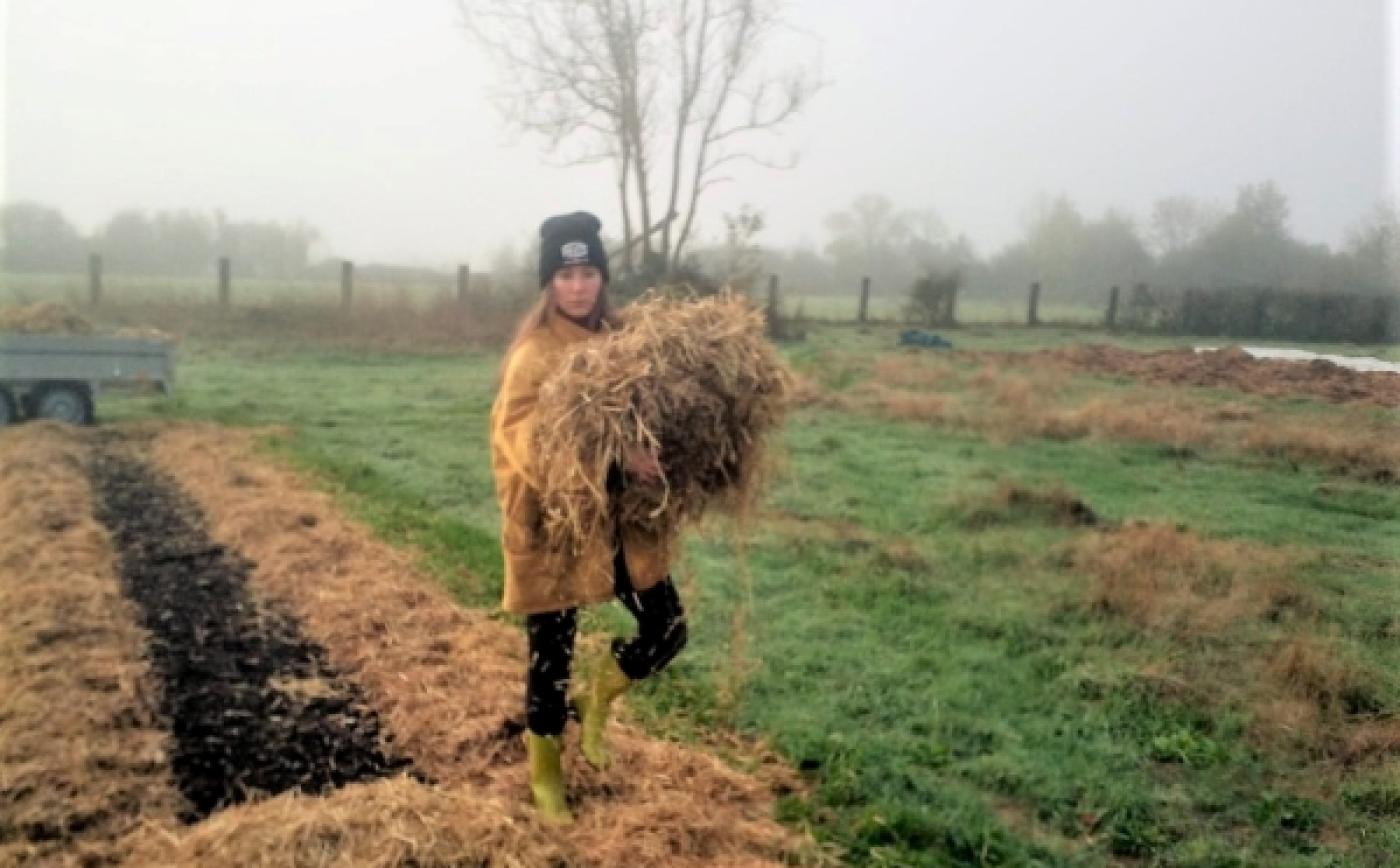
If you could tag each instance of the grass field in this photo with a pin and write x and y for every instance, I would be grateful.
(969, 668)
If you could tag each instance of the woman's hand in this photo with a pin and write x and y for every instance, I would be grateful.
(643, 464)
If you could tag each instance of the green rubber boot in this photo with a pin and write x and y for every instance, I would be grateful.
(547, 779)
(609, 682)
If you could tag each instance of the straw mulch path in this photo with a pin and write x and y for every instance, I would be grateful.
(251, 704)
(447, 682)
(83, 756)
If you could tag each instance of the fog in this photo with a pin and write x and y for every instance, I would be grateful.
(374, 122)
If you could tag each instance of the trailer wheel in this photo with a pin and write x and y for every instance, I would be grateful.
(64, 402)
(9, 412)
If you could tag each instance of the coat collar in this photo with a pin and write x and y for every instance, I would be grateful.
(567, 331)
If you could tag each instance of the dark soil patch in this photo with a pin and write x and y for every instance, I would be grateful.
(253, 705)
(1011, 502)
(1056, 506)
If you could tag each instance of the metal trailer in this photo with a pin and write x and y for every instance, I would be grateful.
(60, 376)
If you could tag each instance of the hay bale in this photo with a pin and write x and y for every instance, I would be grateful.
(43, 318)
(143, 333)
(693, 380)
(50, 318)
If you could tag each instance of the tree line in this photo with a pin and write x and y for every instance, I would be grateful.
(40, 239)
(1183, 242)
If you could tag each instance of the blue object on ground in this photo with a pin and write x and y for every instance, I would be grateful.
(918, 338)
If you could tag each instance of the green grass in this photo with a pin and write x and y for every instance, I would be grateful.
(946, 690)
(925, 695)
(403, 436)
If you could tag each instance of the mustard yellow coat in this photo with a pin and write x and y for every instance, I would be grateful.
(530, 584)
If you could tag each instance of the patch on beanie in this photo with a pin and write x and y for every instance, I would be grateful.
(574, 253)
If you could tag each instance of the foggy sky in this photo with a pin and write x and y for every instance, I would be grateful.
(373, 121)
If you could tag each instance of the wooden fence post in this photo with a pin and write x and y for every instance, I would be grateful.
(95, 279)
(464, 278)
(347, 283)
(1033, 310)
(225, 281)
(1110, 319)
(950, 310)
(864, 300)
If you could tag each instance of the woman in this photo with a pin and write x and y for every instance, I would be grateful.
(625, 564)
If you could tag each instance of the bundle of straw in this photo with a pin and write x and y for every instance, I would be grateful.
(43, 318)
(692, 381)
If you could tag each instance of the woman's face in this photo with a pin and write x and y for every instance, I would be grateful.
(576, 289)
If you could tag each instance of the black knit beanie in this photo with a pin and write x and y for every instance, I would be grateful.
(571, 239)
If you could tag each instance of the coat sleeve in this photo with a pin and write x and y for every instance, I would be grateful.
(515, 413)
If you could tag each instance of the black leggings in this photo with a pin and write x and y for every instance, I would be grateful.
(661, 634)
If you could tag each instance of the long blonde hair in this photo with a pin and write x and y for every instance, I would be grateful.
(540, 313)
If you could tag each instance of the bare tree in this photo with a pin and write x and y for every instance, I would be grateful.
(668, 90)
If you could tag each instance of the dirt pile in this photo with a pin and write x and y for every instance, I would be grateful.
(1231, 368)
